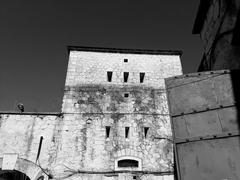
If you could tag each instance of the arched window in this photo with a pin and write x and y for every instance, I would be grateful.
(128, 163)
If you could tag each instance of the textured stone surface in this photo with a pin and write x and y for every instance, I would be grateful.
(89, 95)
(20, 134)
(75, 145)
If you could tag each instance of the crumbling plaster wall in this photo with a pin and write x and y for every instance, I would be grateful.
(217, 33)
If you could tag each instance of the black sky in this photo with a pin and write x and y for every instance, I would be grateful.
(34, 35)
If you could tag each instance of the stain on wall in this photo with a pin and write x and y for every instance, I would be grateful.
(75, 143)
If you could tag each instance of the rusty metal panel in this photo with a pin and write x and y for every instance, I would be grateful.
(217, 159)
(204, 115)
(229, 119)
(199, 92)
(195, 125)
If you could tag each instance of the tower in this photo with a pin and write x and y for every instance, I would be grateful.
(116, 120)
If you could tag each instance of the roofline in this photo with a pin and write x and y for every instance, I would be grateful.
(31, 113)
(202, 73)
(201, 15)
(124, 51)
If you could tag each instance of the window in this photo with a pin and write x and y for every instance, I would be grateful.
(146, 131)
(125, 76)
(142, 74)
(128, 163)
(125, 60)
(109, 76)
(126, 132)
(107, 131)
(126, 95)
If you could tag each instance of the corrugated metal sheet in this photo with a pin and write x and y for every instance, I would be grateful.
(204, 115)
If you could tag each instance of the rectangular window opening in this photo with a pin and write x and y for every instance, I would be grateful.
(126, 95)
(125, 76)
(107, 131)
(126, 132)
(146, 131)
(142, 75)
(125, 60)
(109, 76)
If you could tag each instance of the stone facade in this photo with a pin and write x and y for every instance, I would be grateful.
(218, 24)
(114, 122)
(20, 135)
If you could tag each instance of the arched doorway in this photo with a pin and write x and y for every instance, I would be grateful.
(23, 170)
(13, 175)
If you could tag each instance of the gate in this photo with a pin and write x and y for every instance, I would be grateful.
(204, 110)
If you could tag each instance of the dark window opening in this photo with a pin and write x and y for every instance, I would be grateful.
(146, 131)
(126, 132)
(126, 95)
(107, 131)
(125, 76)
(128, 163)
(125, 60)
(13, 175)
(142, 75)
(134, 177)
(109, 76)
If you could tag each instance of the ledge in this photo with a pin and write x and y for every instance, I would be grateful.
(126, 51)
(32, 113)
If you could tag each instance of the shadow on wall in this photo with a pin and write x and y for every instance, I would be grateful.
(235, 78)
(12, 175)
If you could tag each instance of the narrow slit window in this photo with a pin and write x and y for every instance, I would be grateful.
(125, 60)
(146, 131)
(109, 76)
(142, 75)
(126, 132)
(125, 76)
(107, 131)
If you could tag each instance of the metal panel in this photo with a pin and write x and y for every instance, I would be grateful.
(204, 116)
(216, 159)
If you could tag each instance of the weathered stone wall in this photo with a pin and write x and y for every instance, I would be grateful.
(91, 68)
(216, 35)
(20, 134)
(91, 103)
(75, 143)
(108, 107)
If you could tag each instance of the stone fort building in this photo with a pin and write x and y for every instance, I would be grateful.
(114, 123)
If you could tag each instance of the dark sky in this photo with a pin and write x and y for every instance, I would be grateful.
(34, 35)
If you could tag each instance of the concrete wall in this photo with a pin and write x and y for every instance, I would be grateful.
(217, 34)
